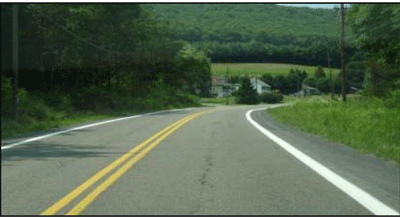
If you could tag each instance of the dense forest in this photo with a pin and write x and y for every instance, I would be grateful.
(70, 46)
(258, 32)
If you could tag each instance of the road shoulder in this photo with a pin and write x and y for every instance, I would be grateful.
(375, 176)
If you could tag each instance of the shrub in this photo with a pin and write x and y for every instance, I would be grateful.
(247, 94)
(319, 73)
(6, 93)
(235, 93)
(270, 97)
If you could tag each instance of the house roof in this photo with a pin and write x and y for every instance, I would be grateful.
(308, 87)
(217, 80)
(259, 83)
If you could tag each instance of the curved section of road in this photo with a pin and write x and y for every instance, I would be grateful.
(4, 147)
(365, 199)
(217, 163)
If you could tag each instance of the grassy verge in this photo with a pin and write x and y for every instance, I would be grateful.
(362, 123)
(220, 100)
(289, 99)
(45, 111)
(11, 128)
(262, 68)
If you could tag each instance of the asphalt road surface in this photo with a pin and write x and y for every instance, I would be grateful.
(192, 161)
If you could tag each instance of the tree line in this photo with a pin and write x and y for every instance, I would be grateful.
(258, 32)
(71, 46)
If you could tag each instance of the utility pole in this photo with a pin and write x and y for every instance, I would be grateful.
(330, 73)
(344, 78)
(227, 86)
(15, 60)
(298, 85)
(256, 83)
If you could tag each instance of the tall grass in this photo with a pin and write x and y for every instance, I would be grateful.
(262, 68)
(38, 111)
(363, 123)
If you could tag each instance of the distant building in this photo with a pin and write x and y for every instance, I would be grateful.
(307, 90)
(354, 90)
(221, 88)
(260, 86)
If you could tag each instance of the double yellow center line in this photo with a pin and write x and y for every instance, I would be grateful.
(135, 154)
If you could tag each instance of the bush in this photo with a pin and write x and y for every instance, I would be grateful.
(247, 94)
(94, 99)
(60, 101)
(319, 73)
(270, 97)
(235, 93)
(393, 101)
(6, 93)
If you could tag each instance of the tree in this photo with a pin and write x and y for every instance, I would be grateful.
(247, 94)
(319, 73)
(377, 30)
(193, 68)
(268, 78)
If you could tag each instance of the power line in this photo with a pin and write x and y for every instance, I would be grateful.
(78, 37)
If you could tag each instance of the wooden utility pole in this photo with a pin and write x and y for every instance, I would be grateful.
(330, 73)
(15, 60)
(227, 85)
(344, 77)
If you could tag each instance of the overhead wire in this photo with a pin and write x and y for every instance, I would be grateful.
(79, 37)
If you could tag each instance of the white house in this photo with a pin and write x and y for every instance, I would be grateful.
(221, 88)
(260, 86)
(307, 90)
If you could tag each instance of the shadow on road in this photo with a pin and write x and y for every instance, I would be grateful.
(170, 112)
(40, 151)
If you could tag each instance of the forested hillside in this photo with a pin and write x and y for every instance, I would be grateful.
(257, 32)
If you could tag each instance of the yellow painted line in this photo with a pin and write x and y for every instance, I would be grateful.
(79, 190)
(82, 205)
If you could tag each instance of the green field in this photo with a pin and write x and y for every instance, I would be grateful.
(262, 68)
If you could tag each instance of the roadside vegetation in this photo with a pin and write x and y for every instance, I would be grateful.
(370, 125)
(72, 68)
(232, 100)
(369, 121)
(38, 111)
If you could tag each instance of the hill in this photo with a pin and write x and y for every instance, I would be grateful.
(256, 32)
(247, 19)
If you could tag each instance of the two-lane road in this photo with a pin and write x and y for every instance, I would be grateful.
(191, 161)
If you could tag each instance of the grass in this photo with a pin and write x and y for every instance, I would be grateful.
(11, 128)
(25, 125)
(288, 99)
(44, 111)
(220, 100)
(262, 68)
(362, 123)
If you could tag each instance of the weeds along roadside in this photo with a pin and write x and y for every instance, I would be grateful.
(367, 124)
(40, 111)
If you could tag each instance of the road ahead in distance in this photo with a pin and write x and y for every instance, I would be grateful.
(210, 160)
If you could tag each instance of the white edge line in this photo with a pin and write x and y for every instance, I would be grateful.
(362, 197)
(83, 127)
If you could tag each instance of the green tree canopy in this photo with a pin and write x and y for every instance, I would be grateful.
(377, 30)
(247, 94)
